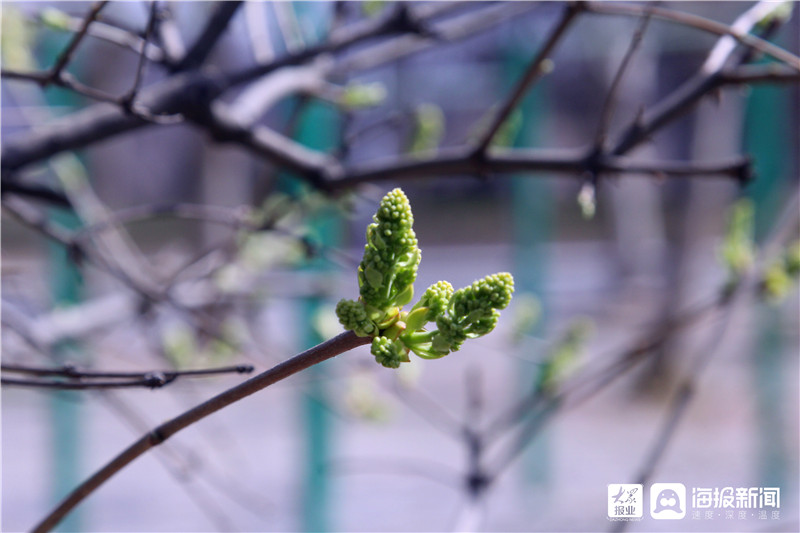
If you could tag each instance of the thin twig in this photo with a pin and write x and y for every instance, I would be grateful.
(701, 23)
(183, 464)
(610, 103)
(258, 32)
(72, 372)
(35, 192)
(168, 35)
(128, 99)
(708, 78)
(760, 74)
(335, 346)
(217, 24)
(66, 55)
(428, 409)
(86, 380)
(461, 162)
(531, 74)
(114, 35)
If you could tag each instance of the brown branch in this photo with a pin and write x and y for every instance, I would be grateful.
(114, 35)
(531, 74)
(331, 348)
(168, 35)
(267, 143)
(86, 380)
(101, 122)
(215, 27)
(130, 96)
(759, 74)
(193, 93)
(709, 77)
(610, 103)
(151, 382)
(696, 21)
(189, 93)
(66, 55)
(65, 80)
(396, 22)
(448, 31)
(72, 372)
(34, 191)
(460, 161)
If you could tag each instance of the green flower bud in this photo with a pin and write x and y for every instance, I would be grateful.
(449, 337)
(491, 292)
(473, 312)
(389, 353)
(386, 278)
(436, 299)
(391, 256)
(353, 316)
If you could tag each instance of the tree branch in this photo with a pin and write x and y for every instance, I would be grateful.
(462, 161)
(66, 55)
(331, 348)
(611, 97)
(114, 35)
(215, 27)
(85, 380)
(701, 23)
(709, 76)
(529, 77)
(34, 191)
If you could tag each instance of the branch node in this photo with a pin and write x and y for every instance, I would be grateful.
(404, 21)
(156, 380)
(745, 172)
(156, 437)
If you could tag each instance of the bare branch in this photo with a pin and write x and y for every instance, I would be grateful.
(463, 162)
(611, 97)
(258, 31)
(686, 96)
(271, 145)
(335, 346)
(701, 23)
(85, 379)
(531, 74)
(395, 22)
(66, 55)
(215, 27)
(168, 35)
(759, 74)
(35, 192)
(448, 31)
(127, 100)
(116, 36)
(100, 122)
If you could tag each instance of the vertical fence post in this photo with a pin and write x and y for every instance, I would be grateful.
(768, 140)
(532, 213)
(65, 406)
(318, 129)
(66, 283)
